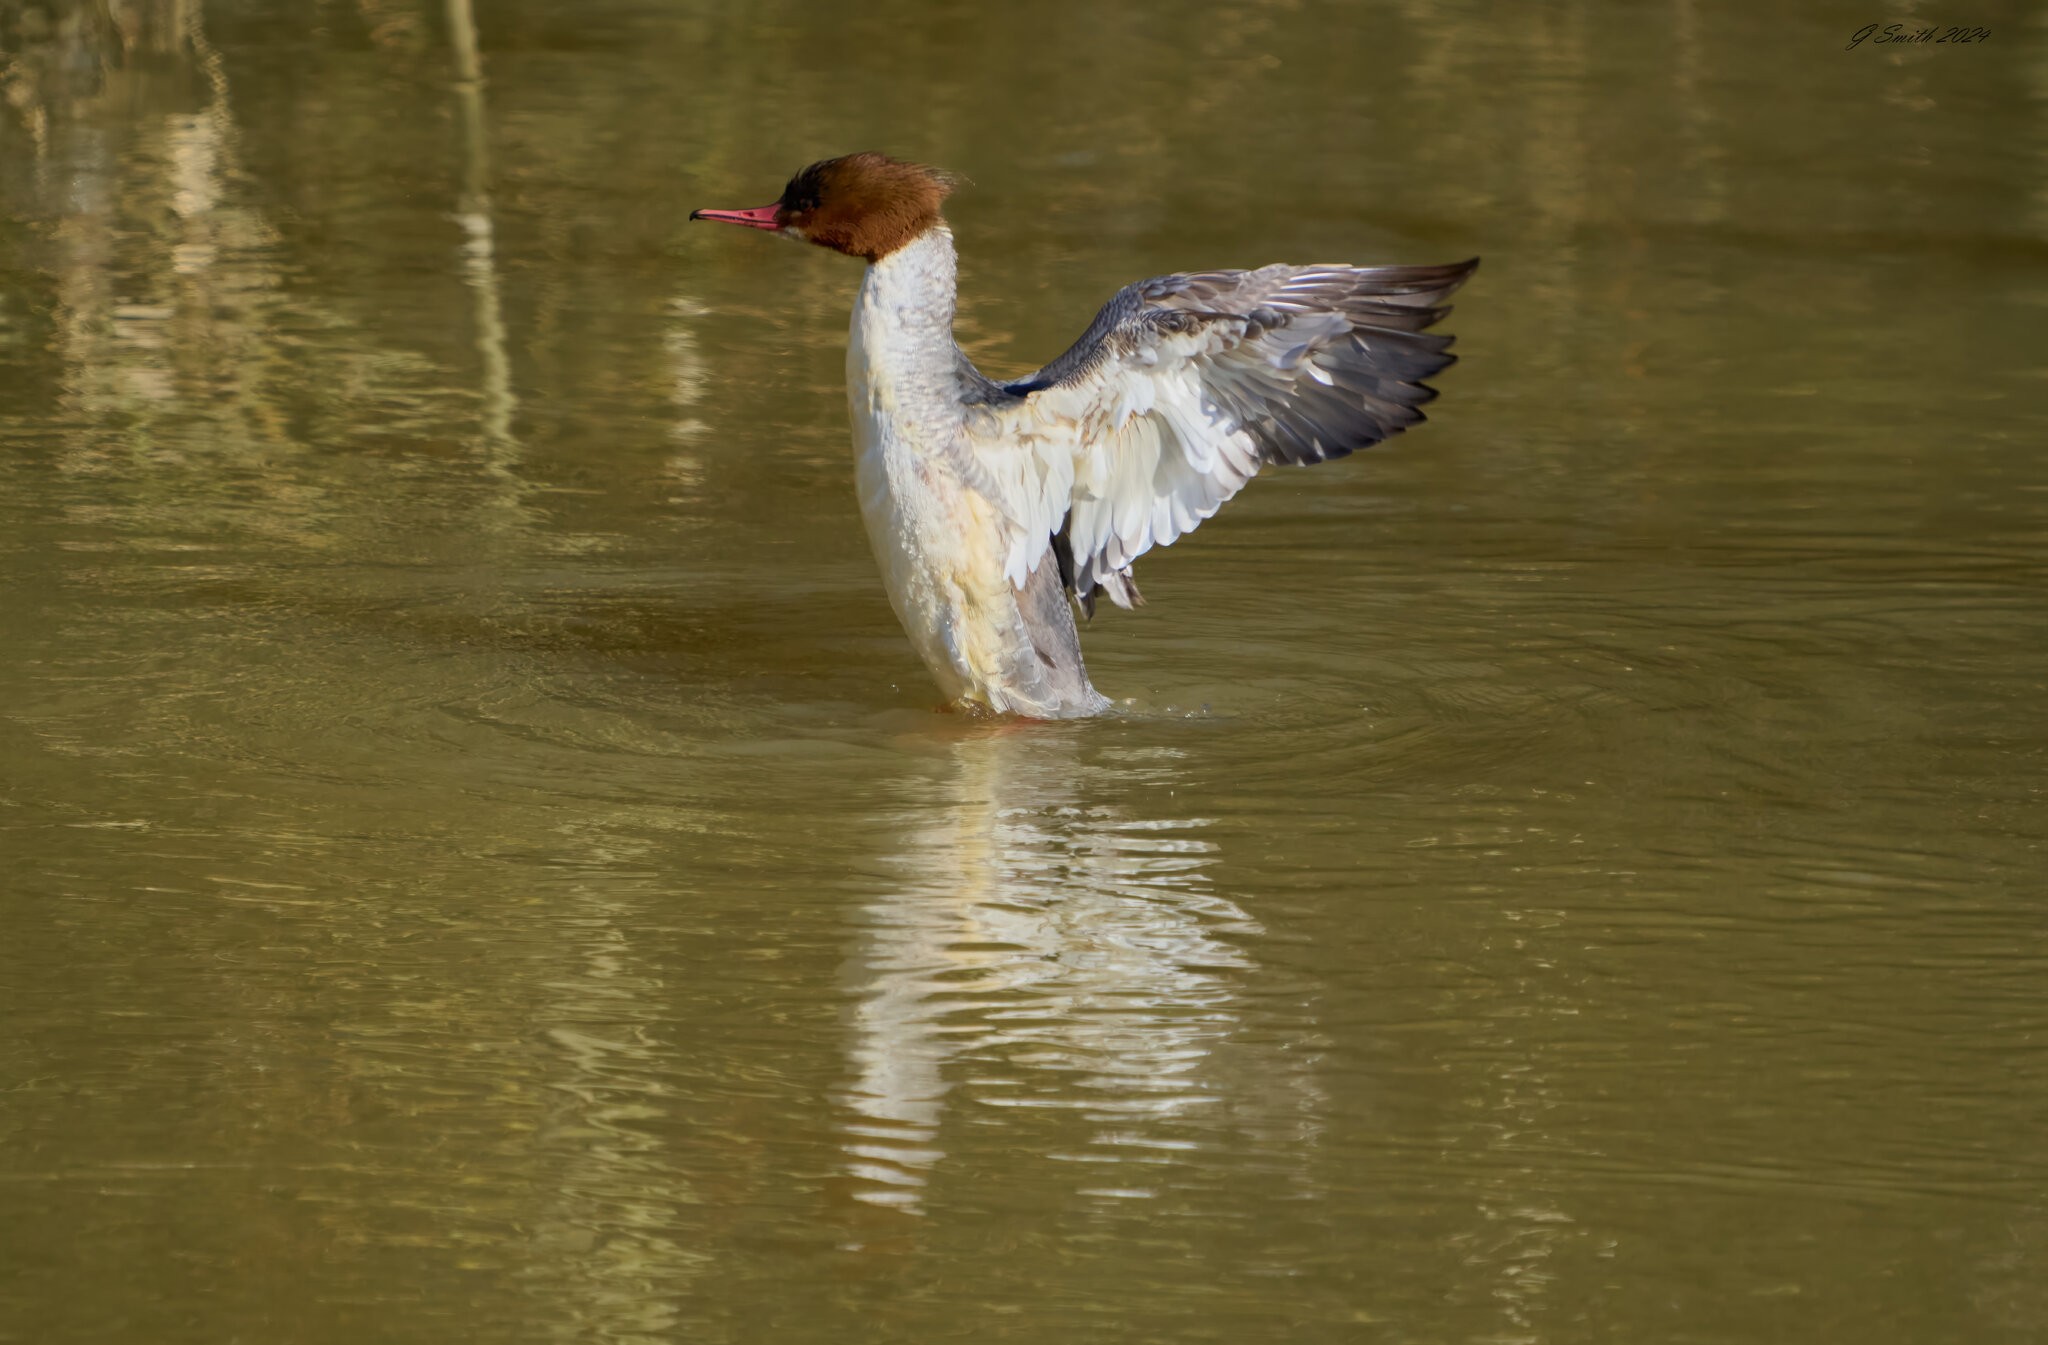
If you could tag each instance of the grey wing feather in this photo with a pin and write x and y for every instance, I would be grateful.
(1185, 385)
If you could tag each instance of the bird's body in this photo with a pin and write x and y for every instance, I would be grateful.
(940, 534)
(989, 503)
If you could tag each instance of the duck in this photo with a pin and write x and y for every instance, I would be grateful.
(998, 511)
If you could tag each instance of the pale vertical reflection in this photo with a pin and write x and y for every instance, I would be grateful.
(480, 250)
(2038, 79)
(201, 149)
(688, 380)
(1520, 1225)
(1704, 157)
(146, 315)
(603, 1239)
(1063, 956)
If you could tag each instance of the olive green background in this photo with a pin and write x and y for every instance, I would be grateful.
(482, 864)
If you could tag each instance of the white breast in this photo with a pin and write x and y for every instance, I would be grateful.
(932, 535)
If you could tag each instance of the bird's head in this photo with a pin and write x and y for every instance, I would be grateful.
(866, 205)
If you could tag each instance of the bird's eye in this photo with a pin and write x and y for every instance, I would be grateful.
(800, 195)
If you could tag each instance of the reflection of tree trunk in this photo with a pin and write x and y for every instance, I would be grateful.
(605, 1232)
(480, 264)
(137, 338)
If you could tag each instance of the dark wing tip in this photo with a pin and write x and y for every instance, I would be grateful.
(1374, 376)
(1412, 286)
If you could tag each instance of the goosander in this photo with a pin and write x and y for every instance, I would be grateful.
(988, 503)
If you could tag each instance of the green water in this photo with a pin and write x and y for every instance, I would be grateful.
(481, 862)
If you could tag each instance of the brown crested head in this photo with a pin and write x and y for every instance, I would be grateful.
(866, 205)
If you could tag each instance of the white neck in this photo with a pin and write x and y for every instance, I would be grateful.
(902, 347)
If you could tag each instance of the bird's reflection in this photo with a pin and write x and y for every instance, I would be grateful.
(1057, 950)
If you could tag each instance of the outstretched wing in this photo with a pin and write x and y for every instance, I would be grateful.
(1184, 386)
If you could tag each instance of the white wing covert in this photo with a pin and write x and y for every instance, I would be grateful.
(1184, 387)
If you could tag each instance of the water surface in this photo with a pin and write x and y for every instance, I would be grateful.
(484, 864)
